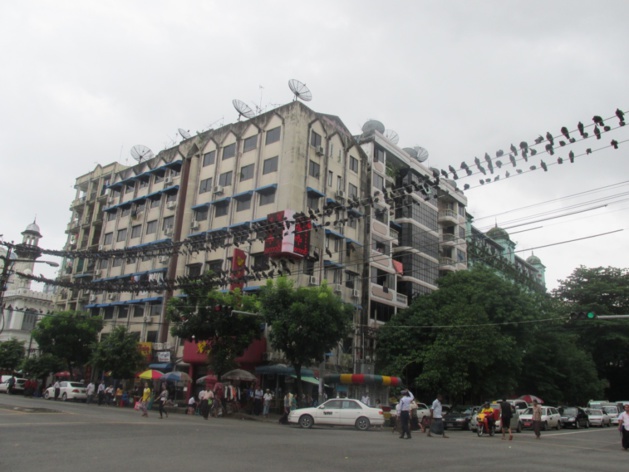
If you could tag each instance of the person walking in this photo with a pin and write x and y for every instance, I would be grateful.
(267, 398)
(146, 398)
(623, 426)
(57, 387)
(91, 388)
(405, 413)
(258, 396)
(101, 392)
(436, 418)
(537, 419)
(506, 413)
(163, 398)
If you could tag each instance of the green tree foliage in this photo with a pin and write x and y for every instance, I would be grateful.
(604, 290)
(305, 322)
(119, 354)
(468, 339)
(69, 336)
(11, 354)
(41, 366)
(227, 334)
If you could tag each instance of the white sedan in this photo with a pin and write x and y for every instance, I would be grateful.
(598, 417)
(68, 391)
(551, 418)
(338, 412)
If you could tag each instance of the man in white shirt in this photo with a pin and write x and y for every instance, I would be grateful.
(91, 388)
(365, 399)
(436, 417)
(405, 413)
(623, 426)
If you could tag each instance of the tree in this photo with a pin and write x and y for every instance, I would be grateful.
(305, 323)
(41, 366)
(118, 353)
(206, 315)
(69, 336)
(11, 354)
(467, 339)
(604, 290)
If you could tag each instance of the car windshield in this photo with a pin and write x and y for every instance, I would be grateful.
(75, 384)
(611, 410)
(528, 411)
(595, 412)
(570, 411)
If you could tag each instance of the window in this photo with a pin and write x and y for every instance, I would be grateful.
(139, 208)
(379, 156)
(216, 266)
(250, 143)
(201, 214)
(129, 188)
(138, 311)
(315, 139)
(111, 215)
(229, 151)
(339, 184)
(243, 203)
(209, 158)
(273, 135)
(246, 173)
(260, 261)
(151, 227)
(350, 280)
(194, 270)
(123, 311)
(378, 181)
(122, 235)
(136, 231)
(330, 178)
(158, 178)
(225, 179)
(313, 169)
(143, 183)
(171, 197)
(155, 202)
(313, 201)
(353, 164)
(221, 209)
(269, 165)
(109, 238)
(266, 198)
(126, 211)
(116, 262)
(168, 222)
(205, 185)
(352, 191)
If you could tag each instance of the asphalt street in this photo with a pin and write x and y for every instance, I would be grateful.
(40, 435)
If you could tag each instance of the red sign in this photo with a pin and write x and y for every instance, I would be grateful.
(285, 236)
(239, 261)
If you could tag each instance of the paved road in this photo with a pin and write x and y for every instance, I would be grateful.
(39, 435)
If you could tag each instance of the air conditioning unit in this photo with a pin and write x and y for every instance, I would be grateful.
(194, 224)
(101, 247)
(356, 293)
(168, 179)
(92, 298)
(320, 151)
(171, 205)
(112, 296)
(168, 230)
(340, 194)
(338, 288)
(312, 280)
(164, 259)
(218, 189)
(148, 319)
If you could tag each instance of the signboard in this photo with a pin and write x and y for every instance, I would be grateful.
(286, 237)
(163, 356)
(239, 262)
(146, 350)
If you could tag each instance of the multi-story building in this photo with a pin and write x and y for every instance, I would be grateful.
(356, 211)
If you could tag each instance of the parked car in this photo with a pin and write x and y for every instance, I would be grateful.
(598, 417)
(551, 418)
(18, 386)
(458, 418)
(574, 417)
(338, 412)
(68, 391)
(612, 412)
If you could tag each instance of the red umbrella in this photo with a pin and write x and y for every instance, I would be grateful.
(530, 398)
(63, 373)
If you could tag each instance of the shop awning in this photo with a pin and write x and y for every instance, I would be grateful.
(164, 367)
(308, 379)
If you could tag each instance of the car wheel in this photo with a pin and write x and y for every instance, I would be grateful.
(545, 426)
(306, 421)
(558, 425)
(64, 397)
(46, 396)
(362, 424)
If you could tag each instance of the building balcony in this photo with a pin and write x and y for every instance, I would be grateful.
(78, 202)
(448, 216)
(448, 239)
(447, 263)
(73, 227)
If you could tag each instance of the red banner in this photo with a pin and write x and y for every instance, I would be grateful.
(239, 262)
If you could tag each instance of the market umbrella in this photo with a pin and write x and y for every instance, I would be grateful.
(530, 398)
(239, 374)
(177, 376)
(206, 379)
(150, 374)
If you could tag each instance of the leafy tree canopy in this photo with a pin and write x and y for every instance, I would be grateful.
(118, 353)
(207, 315)
(69, 336)
(42, 365)
(11, 354)
(306, 322)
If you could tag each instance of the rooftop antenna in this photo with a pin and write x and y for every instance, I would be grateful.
(300, 90)
(141, 153)
(243, 109)
(422, 154)
(184, 134)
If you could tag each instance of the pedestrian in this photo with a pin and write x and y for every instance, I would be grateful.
(163, 398)
(57, 387)
(11, 384)
(109, 395)
(146, 398)
(258, 396)
(101, 392)
(91, 388)
(119, 396)
(204, 406)
(192, 405)
(623, 426)
(365, 399)
(537, 419)
(267, 398)
(436, 417)
(506, 413)
(405, 413)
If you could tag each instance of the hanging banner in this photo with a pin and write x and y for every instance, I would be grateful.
(239, 262)
(286, 237)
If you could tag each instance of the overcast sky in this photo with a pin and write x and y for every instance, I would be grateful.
(84, 81)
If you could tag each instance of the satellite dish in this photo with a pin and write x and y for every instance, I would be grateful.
(422, 154)
(300, 90)
(184, 134)
(392, 136)
(243, 109)
(141, 153)
(411, 152)
(373, 125)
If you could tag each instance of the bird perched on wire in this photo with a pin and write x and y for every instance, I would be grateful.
(598, 120)
(581, 129)
(621, 116)
(597, 132)
(512, 159)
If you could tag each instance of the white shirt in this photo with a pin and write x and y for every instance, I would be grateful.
(436, 409)
(623, 419)
(405, 401)
(365, 399)
(90, 389)
(268, 397)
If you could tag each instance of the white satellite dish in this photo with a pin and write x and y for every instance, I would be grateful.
(184, 134)
(300, 90)
(141, 153)
(422, 154)
(243, 109)
(392, 136)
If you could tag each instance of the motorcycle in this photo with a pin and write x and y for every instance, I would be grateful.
(483, 427)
